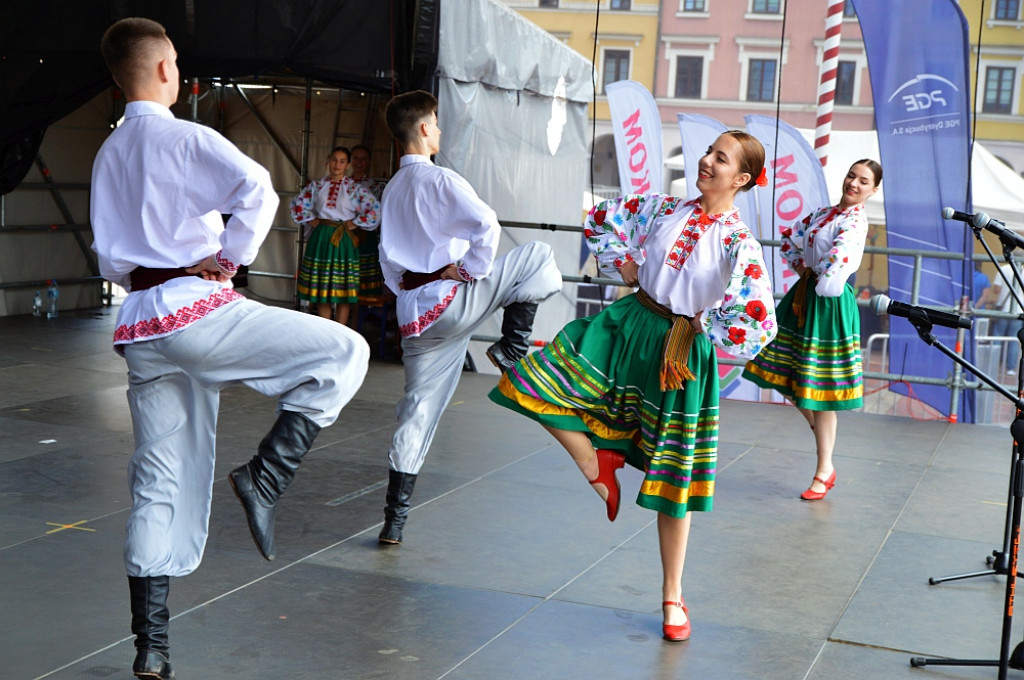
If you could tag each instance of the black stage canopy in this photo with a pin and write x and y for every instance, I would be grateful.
(50, 62)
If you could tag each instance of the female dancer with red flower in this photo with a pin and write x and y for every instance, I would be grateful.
(639, 381)
(815, 362)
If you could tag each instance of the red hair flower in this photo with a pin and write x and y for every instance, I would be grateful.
(762, 179)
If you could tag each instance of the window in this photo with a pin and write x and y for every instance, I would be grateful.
(619, 4)
(761, 81)
(688, 76)
(998, 89)
(695, 6)
(1007, 10)
(846, 77)
(548, 3)
(766, 6)
(616, 67)
(848, 11)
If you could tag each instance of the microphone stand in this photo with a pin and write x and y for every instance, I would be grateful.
(1004, 561)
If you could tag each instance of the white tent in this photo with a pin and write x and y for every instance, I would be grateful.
(998, 190)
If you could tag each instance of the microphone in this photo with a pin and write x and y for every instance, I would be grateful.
(950, 214)
(882, 304)
(980, 220)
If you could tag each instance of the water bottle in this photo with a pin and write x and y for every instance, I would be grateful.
(51, 300)
(37, 305)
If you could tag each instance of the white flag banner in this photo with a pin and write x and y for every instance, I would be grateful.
(796, 186)
(636, 127)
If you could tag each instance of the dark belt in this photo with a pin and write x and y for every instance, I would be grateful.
(412, 280)
(144, 277)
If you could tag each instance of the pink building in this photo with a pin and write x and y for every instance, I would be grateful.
(725, 58)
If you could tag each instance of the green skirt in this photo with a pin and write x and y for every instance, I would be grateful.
(328, 273)
(371, 279)
(817, 367)
(600, 375)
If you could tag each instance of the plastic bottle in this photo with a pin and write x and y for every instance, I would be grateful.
(51, 300)
(37, 305)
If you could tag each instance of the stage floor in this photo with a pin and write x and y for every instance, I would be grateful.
(509, 569)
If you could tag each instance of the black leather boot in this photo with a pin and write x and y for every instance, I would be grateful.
(396, 511)
(516, 325)
(149, 624)
(260, 482)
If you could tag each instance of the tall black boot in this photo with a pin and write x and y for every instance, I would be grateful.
(260, 482)
(396, 511)
(516, 325)
(149, 624)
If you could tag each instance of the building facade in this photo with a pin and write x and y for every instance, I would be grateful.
(997, 40)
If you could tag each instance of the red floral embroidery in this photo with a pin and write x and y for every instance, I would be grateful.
(332, 192)
(159, 327)
(756, 310)
(429, 316)
(588, 232)
(753, 271)
(632, 205)
(737, 335)
(599, 217)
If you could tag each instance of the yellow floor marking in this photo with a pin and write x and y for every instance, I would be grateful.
(62, 527)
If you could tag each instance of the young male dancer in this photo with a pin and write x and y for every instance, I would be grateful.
(437, 252)
(159, 187)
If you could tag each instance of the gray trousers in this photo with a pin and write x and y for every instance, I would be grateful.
(314, 366)
(433, 360)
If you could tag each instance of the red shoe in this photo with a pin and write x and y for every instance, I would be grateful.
(818, 495)
(676, 633)
(607, 463)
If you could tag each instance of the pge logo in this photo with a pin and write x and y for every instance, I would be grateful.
(923, 93)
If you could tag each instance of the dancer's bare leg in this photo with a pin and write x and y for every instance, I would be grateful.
(825, 425)
(673, 535)
(341, 315)
(582, 451)
(323, 310)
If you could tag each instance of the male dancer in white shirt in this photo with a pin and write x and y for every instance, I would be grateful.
(437, 252)
(159, 187)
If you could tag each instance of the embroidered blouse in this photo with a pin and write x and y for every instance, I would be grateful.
(159, 188)
(691, 263)
(434, 218)
(831, 242)
(338, 201)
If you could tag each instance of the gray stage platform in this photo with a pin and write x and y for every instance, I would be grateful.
(510, 569)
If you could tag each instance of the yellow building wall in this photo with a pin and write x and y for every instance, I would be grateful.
(1001, 43)
(635, 30)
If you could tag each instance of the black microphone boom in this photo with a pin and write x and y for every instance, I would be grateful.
(980, 220)
(881, 304)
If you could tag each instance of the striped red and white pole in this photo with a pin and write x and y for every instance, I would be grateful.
(827, 84)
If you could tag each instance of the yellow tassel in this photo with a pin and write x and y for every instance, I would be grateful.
(676, 355)
(800, 298)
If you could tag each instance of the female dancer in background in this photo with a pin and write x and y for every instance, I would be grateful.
(334, 206)
(639, 380)
(815, 362)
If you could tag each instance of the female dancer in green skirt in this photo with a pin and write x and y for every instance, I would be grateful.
(334, 206)
(638, 382)
(815, 362)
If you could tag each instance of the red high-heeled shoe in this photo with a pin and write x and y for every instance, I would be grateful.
(608, 462)
(676, 633)
(818, 495)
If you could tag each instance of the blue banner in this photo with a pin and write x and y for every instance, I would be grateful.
(917, 54)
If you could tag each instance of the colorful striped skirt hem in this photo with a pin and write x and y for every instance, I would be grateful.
(817, 367)
(328, 273)
(600, 375)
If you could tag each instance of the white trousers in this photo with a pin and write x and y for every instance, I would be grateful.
(313, 365)
(434, 360)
